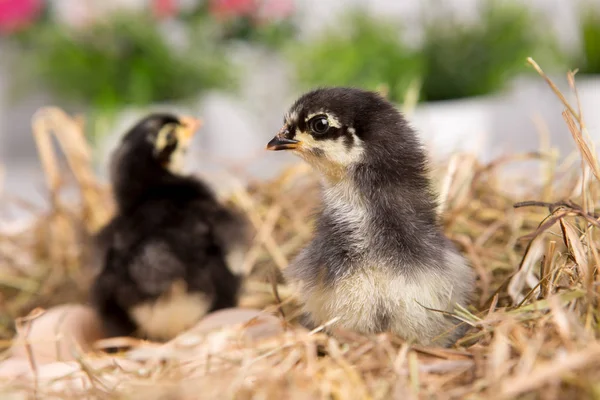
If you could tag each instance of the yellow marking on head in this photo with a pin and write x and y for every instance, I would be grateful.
(332, 157)
(182, 135)
(164, 137)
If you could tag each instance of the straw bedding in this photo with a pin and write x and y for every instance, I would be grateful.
(534, 323)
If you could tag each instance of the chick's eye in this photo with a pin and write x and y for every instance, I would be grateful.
(319, 125)
(171, 137)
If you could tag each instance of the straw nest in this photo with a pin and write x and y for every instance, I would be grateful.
(534, 324)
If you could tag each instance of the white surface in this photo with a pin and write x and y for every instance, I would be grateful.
(457, 125)
(589, 95)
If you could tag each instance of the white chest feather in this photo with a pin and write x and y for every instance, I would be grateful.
(345, 206)
(235, 259)
(374, 295)
(170, 314)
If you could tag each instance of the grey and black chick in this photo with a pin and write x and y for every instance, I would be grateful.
(379, 260)
(172, 253)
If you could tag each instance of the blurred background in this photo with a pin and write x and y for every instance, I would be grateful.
(457, 69)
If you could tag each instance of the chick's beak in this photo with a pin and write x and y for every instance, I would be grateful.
(190, 126)
(281, 141)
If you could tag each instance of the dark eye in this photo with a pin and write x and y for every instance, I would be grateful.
(319, 125)
(171, 136)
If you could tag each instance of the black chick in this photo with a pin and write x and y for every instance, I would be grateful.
(378, 260)
(172, 253)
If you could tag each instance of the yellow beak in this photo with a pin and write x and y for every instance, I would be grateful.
(190, 126)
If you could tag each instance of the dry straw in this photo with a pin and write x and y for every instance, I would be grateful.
(534, 324)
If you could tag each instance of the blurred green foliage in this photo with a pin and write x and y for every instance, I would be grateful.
(123, 60)
(359, 50)
(270, 36)
(142, 58)
(464, 60)
(454, 59)
(590, 35)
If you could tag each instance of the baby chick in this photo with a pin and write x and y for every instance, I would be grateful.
(172, 253)
(378, 260)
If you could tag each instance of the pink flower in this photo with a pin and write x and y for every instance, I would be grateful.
(18, 14)
(164, 8)
(275, 10)
(225, 9)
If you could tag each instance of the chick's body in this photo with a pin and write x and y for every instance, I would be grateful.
(378, 260)
(172, 252)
